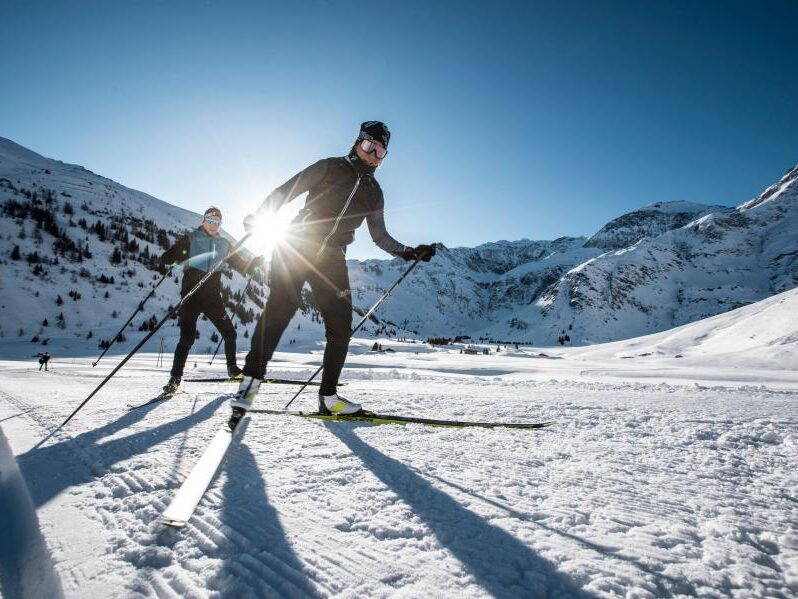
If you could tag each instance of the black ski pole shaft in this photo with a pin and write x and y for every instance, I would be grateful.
(235, 312)
(357, 327)
(149, 335)
(138, 309)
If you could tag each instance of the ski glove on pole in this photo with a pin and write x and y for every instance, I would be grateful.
(421, 252)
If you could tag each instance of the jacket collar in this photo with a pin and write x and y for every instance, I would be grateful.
(361, 168)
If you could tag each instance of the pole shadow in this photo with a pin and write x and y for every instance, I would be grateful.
(499, 563)
(51, 469)
(258, 559)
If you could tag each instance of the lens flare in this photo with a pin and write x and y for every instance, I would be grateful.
(271, 230)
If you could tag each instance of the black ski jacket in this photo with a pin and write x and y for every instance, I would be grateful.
(200, 252)
(342, 193)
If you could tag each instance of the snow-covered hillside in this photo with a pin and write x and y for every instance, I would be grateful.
(670, 473)
(80, 253)
(716, 263)
(661, 266)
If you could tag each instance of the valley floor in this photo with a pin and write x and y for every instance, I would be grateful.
(660, 479)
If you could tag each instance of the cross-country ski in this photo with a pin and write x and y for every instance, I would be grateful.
(196, 484)
(395, 419)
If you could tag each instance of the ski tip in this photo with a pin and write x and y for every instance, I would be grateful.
(172, 522)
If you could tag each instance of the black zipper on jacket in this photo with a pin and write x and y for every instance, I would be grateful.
(340, 214)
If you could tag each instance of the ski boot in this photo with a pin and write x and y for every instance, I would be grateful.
(171, 387)
(234, 372)
(337, 405)
(242, 400)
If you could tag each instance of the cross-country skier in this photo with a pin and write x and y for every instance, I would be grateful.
(200, 250)
(342, 193)
(43, 359)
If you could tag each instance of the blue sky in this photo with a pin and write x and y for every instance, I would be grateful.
(509, 119)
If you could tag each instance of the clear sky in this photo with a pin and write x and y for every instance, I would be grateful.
(509, 119)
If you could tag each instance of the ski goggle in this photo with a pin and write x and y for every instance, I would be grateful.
(370, 146)
(213, 221)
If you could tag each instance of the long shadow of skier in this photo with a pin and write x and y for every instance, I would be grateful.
(50, 469)
(499, 563)
(663, 582)
(258, 559)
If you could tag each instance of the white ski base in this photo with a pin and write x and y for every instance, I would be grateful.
(199, 479)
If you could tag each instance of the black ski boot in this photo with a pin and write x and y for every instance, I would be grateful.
(234, 372)
(171, 387)
(235, 418)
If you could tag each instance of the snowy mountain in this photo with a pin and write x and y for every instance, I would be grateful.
(649, 270)
(661, 266)
(715, 263)
(650, 221)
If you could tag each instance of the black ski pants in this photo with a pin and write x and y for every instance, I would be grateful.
(329, 281)
(213, 307)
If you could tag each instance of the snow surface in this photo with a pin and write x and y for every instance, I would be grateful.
(670, 473)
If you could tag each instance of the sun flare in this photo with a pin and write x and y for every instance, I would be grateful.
(270, 232)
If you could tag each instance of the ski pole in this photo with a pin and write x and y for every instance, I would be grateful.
(235, 249)
(357, 327)
(235, 312)
(138, 309)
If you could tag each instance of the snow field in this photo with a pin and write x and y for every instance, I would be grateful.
(640, 490)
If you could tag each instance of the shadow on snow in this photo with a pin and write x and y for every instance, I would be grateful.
(51, 469)
(499, 563)
(258, 559)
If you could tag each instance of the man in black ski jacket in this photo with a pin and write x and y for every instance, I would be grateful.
(200, 250)
(342, 193)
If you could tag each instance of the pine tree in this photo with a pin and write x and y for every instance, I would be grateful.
(59, 301)
(15, 253)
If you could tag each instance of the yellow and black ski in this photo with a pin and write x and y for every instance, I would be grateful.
(237, 379)
(372, 418)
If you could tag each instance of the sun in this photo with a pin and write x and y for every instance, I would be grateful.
(271, 231)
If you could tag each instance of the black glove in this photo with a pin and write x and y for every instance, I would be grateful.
(163, 268)
(421, 252)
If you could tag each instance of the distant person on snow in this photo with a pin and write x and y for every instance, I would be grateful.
(342, 193)
(43, 359)
(200, 250)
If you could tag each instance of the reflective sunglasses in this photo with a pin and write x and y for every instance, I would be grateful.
(213, 221)
(372, 147)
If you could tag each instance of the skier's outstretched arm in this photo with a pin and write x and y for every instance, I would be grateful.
(376, 224)
(378, 232)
